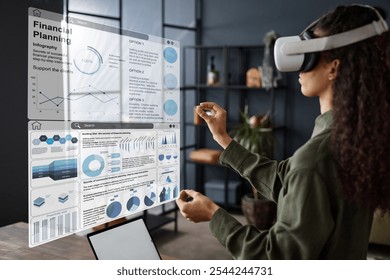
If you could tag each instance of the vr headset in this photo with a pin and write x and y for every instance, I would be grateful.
(301, 53)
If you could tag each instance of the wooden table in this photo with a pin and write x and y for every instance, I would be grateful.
(14, 246)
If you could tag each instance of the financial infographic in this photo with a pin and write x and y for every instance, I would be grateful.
(104, 127)
(82, 71)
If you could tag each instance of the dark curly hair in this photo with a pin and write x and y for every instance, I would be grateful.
(361, 108)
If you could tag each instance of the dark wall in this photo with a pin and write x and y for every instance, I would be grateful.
(245, 22)
(13, 138)
(13, 108)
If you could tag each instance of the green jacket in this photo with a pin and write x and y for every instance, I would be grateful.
(313, 219)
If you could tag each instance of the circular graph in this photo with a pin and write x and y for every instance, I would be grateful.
(150, 199)
(170, 81)
(88, 61)
(170, 55)
(114, 209)
(133, 203)
(170, 107)
(93, 165)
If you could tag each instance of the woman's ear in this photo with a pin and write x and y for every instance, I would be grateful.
(334, 66)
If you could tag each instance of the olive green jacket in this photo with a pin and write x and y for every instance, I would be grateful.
(313, 219)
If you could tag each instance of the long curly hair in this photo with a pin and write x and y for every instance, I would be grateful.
(361, 108)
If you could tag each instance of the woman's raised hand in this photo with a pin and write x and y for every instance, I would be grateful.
(215, 117)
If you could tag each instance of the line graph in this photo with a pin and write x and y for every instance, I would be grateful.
(73, 95)
(52, 98)
(77, 94)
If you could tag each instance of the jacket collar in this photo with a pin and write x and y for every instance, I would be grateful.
(323, 122)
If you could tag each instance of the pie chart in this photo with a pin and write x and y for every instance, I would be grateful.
(170, 107)
(133, 203)
(170, 55)
(114, 209)
(170, 81)
(150, 199)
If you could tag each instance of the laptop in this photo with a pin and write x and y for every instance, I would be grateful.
(130, 240)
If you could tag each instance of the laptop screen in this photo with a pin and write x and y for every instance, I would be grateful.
(128, 241)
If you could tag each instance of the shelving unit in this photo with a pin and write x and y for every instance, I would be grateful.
(233, 95)
(154, 219)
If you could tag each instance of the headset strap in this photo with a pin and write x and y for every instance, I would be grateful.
(336, 41)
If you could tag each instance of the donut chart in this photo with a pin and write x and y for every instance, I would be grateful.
(93, 165)
(88, 61)
(114, 209)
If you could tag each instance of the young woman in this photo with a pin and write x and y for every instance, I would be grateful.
(327, 191)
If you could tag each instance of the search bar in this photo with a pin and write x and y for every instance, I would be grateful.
(108, 125)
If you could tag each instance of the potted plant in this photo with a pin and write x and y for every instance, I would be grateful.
(256, 135)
